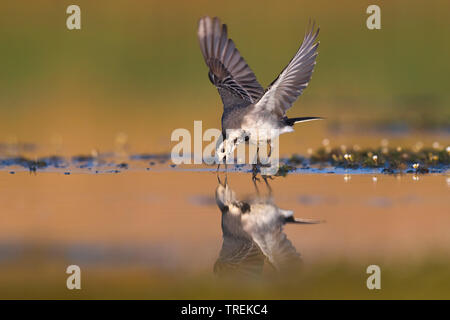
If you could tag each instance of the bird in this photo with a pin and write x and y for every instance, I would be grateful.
(250, 113)
(253, 235)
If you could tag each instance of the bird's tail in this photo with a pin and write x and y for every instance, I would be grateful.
(291, 219)
(292, 121)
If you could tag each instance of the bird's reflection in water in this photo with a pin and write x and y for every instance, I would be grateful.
(253, 234)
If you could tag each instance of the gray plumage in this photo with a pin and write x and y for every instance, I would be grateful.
(253, 234)
(228, 71)
(246, 105)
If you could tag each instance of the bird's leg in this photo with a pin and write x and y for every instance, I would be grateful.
(255, 173)
(218, 178)
(256, 186)
(224, 163)
(269, 142)
(269, 153)
(255, 167)
(257, 156)
(267, 183)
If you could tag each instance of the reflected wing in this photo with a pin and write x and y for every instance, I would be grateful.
(285, 255)
(279, 251)
(289, 85)
(239, 257)
(228, 71)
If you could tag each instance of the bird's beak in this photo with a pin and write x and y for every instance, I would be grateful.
(225, 183)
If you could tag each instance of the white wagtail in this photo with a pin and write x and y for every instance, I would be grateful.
(253, 233)
(248, 108)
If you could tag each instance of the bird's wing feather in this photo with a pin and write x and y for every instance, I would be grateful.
(279, 251)
(228, 71)
(239, 257)
(289, 85)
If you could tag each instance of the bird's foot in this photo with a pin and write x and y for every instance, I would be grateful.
(255, 178)
(255, 171)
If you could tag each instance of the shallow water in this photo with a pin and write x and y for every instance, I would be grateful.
(166, 220)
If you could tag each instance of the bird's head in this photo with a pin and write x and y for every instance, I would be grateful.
(224, 197)
(221, 152)
(224, 149)
(227, 201)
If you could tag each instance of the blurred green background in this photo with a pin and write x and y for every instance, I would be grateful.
(135, 67)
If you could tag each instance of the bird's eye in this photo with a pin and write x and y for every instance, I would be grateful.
(235, 141)
(223, 150)
(245, 207)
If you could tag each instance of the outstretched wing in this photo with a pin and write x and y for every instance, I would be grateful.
(228, 71)
(289, 85)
